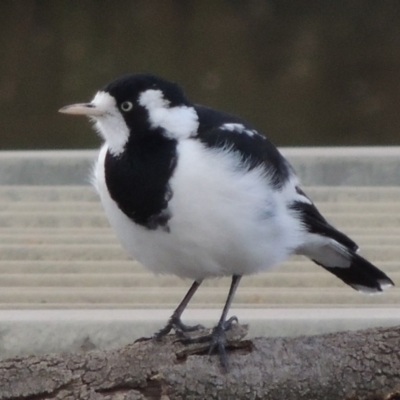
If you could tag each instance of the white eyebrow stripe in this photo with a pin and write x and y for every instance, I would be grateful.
(152, 99)
(178, 122)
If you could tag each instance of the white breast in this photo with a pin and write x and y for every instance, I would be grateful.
(224, 221)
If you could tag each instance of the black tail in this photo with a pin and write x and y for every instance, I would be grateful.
(334, 251)
(360, 275)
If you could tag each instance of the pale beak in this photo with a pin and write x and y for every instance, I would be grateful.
(88, 109)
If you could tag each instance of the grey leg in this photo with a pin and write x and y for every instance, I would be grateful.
(217, 337)
(175, 320)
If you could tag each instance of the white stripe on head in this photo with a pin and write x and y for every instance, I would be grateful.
(178, 122)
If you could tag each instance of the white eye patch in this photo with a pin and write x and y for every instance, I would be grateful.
(111, 124)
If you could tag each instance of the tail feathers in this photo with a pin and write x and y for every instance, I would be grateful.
(360, 274)
(334, 251)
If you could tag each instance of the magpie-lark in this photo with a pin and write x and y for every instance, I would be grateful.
(200, 193)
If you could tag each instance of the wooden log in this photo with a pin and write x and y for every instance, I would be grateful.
(346, 365)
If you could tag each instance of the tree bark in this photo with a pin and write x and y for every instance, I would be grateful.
(347, 365)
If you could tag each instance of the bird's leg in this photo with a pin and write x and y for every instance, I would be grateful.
(217, 337)
(174, 321)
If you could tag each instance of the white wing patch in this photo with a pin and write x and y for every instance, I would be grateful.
(177, 122)
(325, 251)
(240, 128)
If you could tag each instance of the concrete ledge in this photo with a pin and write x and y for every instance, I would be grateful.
(346, 166)
(57, 167)
(335, 166)
(47, 331)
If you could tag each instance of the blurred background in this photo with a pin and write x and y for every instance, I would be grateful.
(310, 72)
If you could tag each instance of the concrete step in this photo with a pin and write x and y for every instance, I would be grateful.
(38, 193)
(208, 297)
(359, 194)
(351, 166)
(62, 252)
(133, 267)
(376, 253)
(71, 207)
(42, 331)
(51, 206)
(106, 231)
(139, 280)
(52, 220)
(101, 236)
(60, 238)
(88, 194)
(77, 219)
(390, 207)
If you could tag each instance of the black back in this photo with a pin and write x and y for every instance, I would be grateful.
(254, 151)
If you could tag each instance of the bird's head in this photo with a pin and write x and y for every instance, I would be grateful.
(136, 106)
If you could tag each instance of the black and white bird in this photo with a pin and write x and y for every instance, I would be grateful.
(199, 193)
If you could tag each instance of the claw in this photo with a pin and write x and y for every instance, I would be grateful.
(178, 326)
(228, 324)
(186, 328)
(217, 339)
(218, 342)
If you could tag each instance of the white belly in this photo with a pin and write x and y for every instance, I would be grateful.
(224, 221)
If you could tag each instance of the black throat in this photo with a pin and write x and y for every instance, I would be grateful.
(137, 179)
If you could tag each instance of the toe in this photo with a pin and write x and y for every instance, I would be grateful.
(186, 328)
(228, 324)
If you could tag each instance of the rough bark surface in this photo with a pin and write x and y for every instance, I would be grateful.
(348, 365)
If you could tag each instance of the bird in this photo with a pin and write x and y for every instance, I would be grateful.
(200, 193)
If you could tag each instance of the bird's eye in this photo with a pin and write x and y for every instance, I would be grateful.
(126, 106)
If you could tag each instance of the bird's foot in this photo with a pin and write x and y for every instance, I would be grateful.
(175, 323)
(217, 339)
